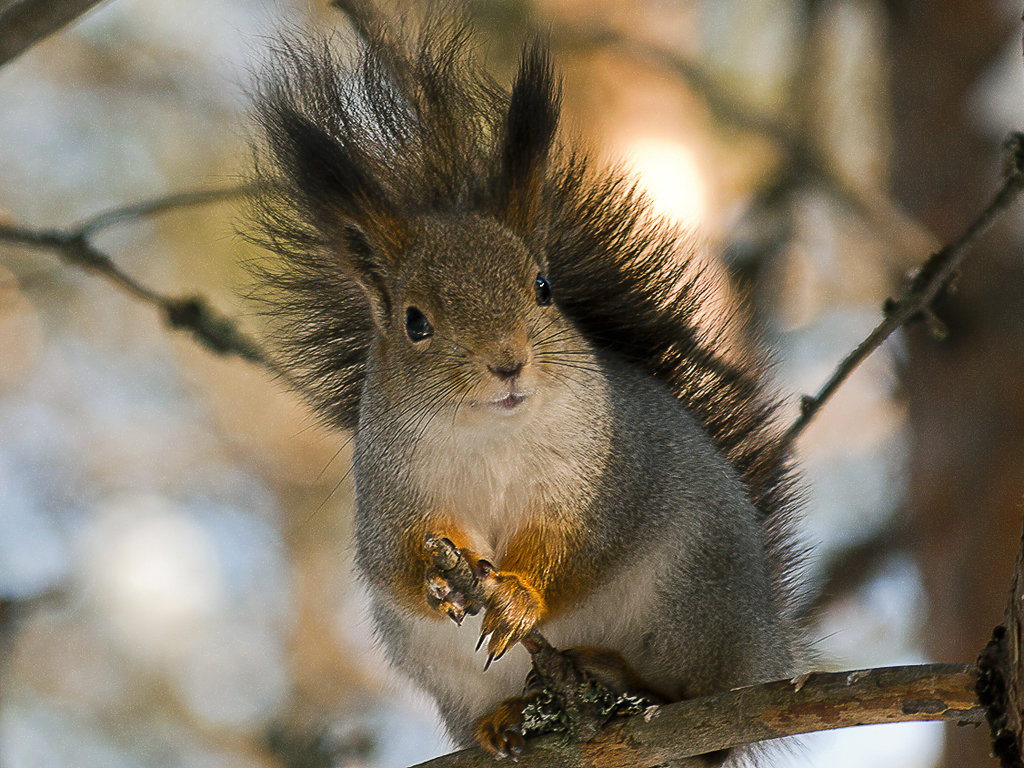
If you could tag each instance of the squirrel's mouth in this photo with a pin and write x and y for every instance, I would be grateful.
(507, 403)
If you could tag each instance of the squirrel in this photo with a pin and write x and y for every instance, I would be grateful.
(513, 338)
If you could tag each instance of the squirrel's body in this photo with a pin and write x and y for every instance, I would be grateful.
(678, 511)
(514, 341)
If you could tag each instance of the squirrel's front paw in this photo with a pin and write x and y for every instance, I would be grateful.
(513, 608)
(442, 597)
(445, 597)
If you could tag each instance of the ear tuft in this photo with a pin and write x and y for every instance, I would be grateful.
(342, 195)
(336, 186)
(530, 129)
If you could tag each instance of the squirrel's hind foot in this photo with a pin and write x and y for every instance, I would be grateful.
(500, 732)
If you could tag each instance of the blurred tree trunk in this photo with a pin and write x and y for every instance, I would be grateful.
(966, 395)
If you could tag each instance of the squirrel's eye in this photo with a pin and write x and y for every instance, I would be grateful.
(417, 325)
(543, 290)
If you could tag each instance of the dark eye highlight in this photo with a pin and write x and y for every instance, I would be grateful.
(416, 325)
(542, 288)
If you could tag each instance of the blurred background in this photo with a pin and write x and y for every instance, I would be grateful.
(175, 584)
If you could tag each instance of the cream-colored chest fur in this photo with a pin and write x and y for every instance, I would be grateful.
(492, 478)
(492, 472)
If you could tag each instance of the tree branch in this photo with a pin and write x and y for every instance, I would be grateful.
(1001, 682)
(216, 332)
(916, 298)
(24, 23)
(817, 702)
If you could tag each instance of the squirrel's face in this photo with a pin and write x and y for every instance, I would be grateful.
(473, 323)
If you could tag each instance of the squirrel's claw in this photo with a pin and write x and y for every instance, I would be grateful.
(455, 612)
(514, 607)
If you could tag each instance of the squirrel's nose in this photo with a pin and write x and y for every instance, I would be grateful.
(507, 370)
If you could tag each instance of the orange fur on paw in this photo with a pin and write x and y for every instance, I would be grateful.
(514, 606)
(500, 732)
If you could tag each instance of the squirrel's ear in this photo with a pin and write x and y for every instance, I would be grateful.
(529, 133)
(345, 202)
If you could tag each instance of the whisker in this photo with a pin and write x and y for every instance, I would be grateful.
(573, 366)
(458, 405)
(337, 453)
(586, 352)
(557, 335)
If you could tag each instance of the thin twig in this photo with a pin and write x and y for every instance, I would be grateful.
(23, 23)
(816, 702)
(215, 331)
(156, 205)
(919, 293)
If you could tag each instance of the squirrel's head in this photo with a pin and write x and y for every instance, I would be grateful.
(471, 320)
(424, 185)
